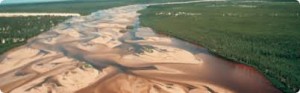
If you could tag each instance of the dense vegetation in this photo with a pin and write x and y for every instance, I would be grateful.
(264, 35)
(15, 31)
(268, 0)
(83, 7)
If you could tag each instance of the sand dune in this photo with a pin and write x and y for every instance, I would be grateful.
(163, 54)
(92, 54)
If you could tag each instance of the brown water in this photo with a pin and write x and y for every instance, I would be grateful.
(132, 61)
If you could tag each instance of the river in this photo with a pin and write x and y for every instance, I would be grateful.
(109, 52)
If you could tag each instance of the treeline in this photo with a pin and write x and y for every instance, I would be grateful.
(269, 0)
(84, 7)
(15, 31)
(263, 35)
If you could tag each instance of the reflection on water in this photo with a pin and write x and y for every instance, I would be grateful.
(121, 59)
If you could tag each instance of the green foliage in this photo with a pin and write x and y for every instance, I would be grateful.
(15, 31)
(83, 7)
(269, 0)
(264, 35)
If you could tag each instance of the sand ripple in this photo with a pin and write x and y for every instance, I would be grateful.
(107, 52)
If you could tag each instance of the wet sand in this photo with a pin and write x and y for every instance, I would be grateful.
(98, 53)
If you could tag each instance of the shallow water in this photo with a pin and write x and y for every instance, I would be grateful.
(124, 61)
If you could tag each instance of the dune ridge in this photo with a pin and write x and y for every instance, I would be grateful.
(100, 53)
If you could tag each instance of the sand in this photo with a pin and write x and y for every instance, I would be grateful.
(91, 54)
(164, 54)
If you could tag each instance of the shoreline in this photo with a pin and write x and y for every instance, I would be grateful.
(92, 44)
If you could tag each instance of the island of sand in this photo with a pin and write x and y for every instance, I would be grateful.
(108, 52)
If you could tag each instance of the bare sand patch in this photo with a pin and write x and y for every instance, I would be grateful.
(90, 54)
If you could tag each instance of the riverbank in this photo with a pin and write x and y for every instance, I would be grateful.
(15, 31)
(18, 18)
(260, 34)
(108, 52)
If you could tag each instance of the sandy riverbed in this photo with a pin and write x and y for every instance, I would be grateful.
(93, 54)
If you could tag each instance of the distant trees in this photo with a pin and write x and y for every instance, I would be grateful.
(14, 31)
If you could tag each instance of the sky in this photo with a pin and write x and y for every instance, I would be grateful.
(25, 1)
